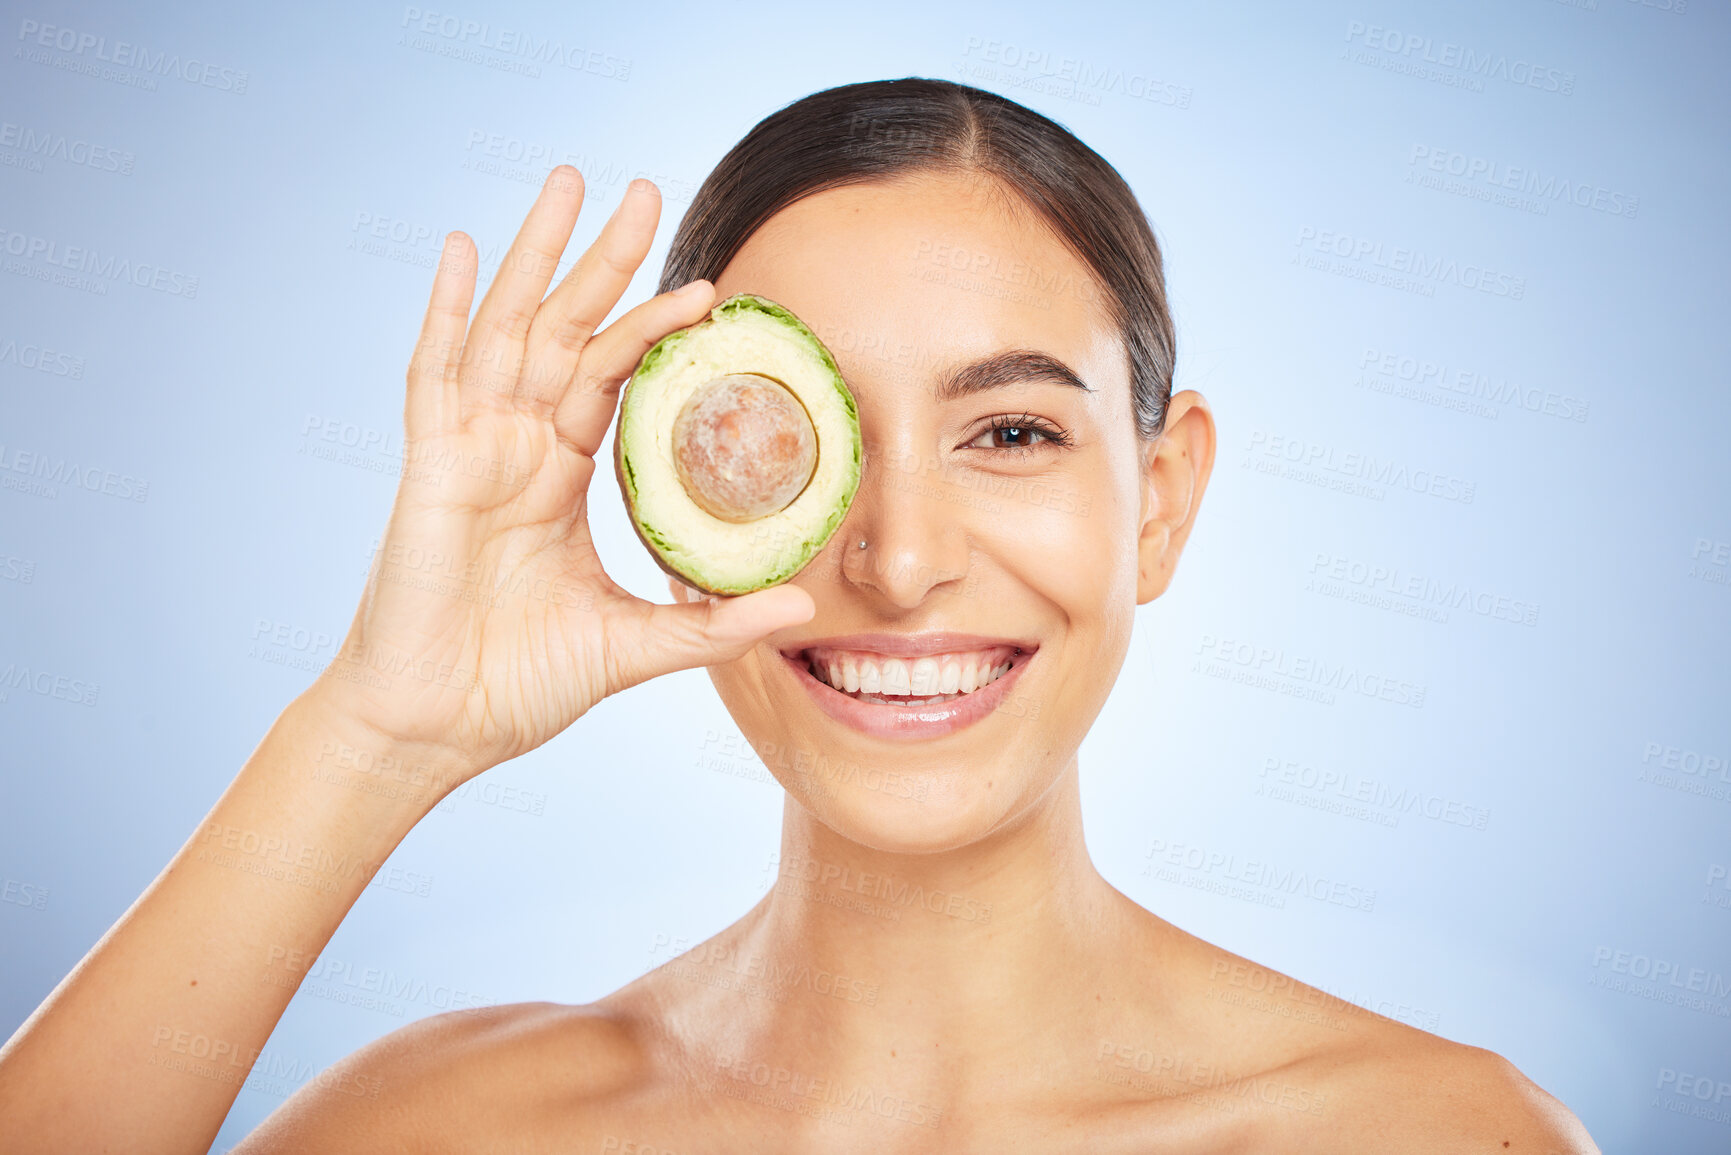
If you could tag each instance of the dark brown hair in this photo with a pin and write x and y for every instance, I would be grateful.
(885, 128)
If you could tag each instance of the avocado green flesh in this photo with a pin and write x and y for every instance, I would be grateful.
(743, 334)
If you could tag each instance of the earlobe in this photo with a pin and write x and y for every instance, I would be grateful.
(1177, 468)
(1154, 573)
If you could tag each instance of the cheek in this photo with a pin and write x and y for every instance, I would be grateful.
(743, 687)
(1070, 538)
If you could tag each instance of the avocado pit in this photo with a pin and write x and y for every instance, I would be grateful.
(744, 447)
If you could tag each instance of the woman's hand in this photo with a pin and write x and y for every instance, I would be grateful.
(488, 624)
(487, 627)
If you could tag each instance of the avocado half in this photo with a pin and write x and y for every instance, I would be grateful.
(744, 334)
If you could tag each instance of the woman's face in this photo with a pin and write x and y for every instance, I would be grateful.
(951, 310)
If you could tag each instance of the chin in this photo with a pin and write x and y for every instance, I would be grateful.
(897, 797)
(905, 811)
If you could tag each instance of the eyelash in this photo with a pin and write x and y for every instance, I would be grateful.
(1028, 422)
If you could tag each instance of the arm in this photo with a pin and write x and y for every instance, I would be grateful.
(487, 626)
(153, 1033)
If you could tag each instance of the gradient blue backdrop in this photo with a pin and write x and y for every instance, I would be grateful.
(1543, 834)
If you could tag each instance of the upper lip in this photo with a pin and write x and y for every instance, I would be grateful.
(909, 645)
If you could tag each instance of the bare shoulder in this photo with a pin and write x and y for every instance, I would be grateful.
(1307, 1071)
(488, 1071)
(1417, 1092)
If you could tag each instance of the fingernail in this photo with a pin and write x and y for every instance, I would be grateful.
(691, 288)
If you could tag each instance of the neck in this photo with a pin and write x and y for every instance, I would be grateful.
(958, 955)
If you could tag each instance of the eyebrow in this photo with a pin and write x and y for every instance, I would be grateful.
(1008, 368)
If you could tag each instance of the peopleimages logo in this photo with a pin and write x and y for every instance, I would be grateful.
(1468, 383)
(47, 684)
(1168, 860)
(43, 472)
(1666, 980)
(1699, 1096)
(1408, 265)
(89, 262)
(460, 33)
(1544, 188)
(1334, 575)
(47, 145)
(1302, 675)
(1409, 52)
(40, 358)
(1380, 796)
(1070, 77)
(88, 46)
(1355, 472)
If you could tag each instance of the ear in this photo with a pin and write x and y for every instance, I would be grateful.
(1176, 467)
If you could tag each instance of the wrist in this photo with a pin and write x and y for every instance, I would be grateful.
(349, 754)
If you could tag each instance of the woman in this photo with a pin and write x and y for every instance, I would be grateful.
(939, 966)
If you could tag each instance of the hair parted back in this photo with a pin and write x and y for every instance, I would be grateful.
(857, 133)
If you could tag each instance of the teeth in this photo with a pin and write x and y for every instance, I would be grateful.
(879, 677)
(896, 679)
(926, 677)
(952, 678)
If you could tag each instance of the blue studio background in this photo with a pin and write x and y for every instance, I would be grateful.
(1452, 275)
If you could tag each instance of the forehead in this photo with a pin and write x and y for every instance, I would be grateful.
(904, 278)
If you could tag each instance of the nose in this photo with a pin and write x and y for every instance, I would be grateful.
(916, 537)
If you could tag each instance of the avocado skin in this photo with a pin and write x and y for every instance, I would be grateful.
(622, 472)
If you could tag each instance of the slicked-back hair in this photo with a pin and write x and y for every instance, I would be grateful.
(882, 129)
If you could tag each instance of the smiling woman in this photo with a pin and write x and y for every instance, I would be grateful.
(938, 966)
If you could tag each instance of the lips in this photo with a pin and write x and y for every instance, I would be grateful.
(909, 685)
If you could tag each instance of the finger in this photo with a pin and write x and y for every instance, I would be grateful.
(711, 631)
(431, 405)
(494, 354)
(583, 299)
(611, 356)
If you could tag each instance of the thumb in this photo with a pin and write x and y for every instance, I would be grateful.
(736, 624)
(714, 629)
